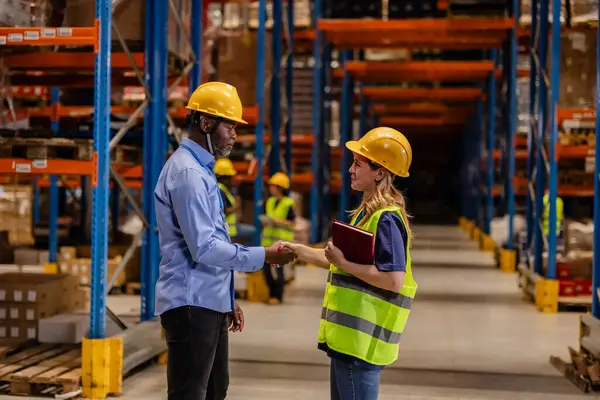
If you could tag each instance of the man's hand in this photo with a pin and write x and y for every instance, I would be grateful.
(276, 254)
(236, 319)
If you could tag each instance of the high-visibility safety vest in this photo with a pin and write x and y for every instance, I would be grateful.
(546, 214)
(279, 210)
(230, 218)
(361, 320)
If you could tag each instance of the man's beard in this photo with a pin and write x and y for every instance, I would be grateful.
(222, 151)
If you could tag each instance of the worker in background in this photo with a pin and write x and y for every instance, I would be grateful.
(240, 233)
(559, 215)
(194, 292)
(278, 224)
(366, 307)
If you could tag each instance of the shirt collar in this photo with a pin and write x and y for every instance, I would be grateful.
(205, 157)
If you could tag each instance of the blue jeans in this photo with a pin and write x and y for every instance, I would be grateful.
(352, 382)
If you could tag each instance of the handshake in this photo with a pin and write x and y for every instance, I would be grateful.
(280, 253)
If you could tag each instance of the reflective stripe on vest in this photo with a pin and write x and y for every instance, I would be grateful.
(271, 234)
(361, 320)
(230, 218)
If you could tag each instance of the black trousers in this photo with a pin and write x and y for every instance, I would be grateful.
(276, 283)
(197, 340)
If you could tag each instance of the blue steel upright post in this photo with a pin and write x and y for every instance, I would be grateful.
(100, 190)
(346, 122)
(540, 168)
(512, 122)
(491, 142)
(553, 176)
(53, 214)
(478, 139)
(289, 88)
(155, 144)
(260, 126)
(596, 260)
(196, 41)
(315, 193)
(275, 156)
(531, 138)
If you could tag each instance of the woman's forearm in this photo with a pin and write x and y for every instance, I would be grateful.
(312, 256)
(392, 281)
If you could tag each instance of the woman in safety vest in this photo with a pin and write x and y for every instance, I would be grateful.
(366, 306)
(278, 224)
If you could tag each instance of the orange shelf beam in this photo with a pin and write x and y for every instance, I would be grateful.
(46, 167)
(472, 33)
(420, 109)
(563, 152)
(422, 122)
(461, 71)
(421, 94)
(49, 36)
(250, 114)
(68, 61)
(432, 25)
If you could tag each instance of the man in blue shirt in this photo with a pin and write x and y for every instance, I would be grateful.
(194, 292)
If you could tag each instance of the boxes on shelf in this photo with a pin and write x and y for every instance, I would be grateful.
(130, 19)
(82, 268)
(525, 19)
(29, 256)
(15, 213)
(131, 271)
(27, 298)
(578, 70)
(583, 12)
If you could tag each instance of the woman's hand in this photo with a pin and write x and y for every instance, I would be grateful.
(335, 255)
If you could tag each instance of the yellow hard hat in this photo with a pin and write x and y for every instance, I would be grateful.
(280, 179)
(386, 147)
(218, 99)
(224, 167)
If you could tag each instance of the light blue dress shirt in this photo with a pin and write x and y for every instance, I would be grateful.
(198, 258)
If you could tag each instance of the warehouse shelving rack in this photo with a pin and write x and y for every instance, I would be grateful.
(543, 155)
(352, 36)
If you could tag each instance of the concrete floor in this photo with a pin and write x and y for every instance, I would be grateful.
(470, 336)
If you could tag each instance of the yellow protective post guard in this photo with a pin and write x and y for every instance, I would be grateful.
(486, 243)
(101, 367)
(476, 234)
(258, 291)
(508, 261)
(546, 295)
(51, 268)
(462, 222)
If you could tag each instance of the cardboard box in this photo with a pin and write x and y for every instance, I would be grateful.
(32, 288)
(82, 268)
(15, 331)
(15, 213)
(26, 256)
(130, 19)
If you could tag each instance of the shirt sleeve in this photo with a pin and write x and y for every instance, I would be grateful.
(226, 203)
(189, 194)
(390, 249)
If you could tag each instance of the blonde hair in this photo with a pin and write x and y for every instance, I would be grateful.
(384, 195)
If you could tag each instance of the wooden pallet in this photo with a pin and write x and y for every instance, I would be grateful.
(46, 149)
(133, 288)
(125, 155)
(581, 370)
(42, 369)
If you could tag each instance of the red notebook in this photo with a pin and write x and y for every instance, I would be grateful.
(357, 244)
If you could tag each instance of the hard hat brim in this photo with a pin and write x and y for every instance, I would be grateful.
(233, 119)
(227, 173)
(355, 147)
